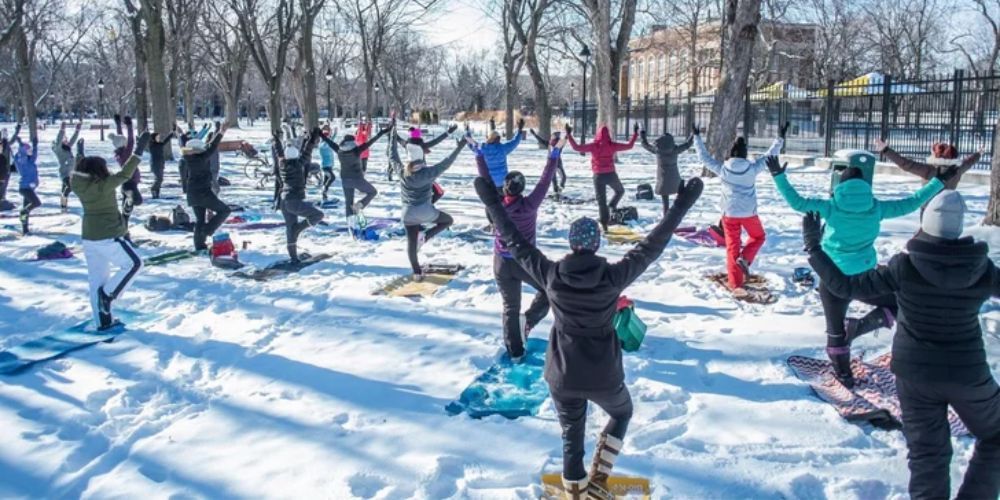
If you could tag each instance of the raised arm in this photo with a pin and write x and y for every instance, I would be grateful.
(969, 162)
(511, 145)
(619, 147)
(60, 136)
(635, 262)
(684, 146)
(898, 208)
(75, 136)
(130, 145)
(919, 169)
(761, 162)
(646, 145)
(715, 166)
(530, 258)
(446, 163)
(123, 175)
(579, 148)
(538, 194)
(481, 168)
(877, 282)
(788, 192)
(307, 148)
(437, 140)
(214, 144)
(541, 140)
(373, 140)
(329, 142)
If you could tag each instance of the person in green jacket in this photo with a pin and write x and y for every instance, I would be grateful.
(104, 229)
(853, 220)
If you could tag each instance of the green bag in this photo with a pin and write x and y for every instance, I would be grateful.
(630, 329)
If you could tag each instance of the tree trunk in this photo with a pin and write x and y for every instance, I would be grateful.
(274, 112)
(24, 80)
(993, 209)
(607, 111)
(159, 88)
(741, 29)
(311, 110)
(231, 105)
(509, 96)
(139, 80)
(369, 101)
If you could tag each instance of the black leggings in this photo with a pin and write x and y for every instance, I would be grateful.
(571, 408)
(440, 224)
(509, 275)
(328, 178)
(559, 178)
(131, 198)
(157, 167)
(202, 228)
(601, 184)
(29, 202)
(291, 210)
(666, 203)
(835, 310)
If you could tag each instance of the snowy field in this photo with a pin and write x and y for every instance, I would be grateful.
(311, 387)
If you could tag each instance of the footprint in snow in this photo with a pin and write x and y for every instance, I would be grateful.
(365, 485)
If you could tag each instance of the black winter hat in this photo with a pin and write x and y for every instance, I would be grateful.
(513, 183)
(739, 148)
(851, 173)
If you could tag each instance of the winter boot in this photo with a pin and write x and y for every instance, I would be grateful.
(841, 359)
(24, 222)
(880, 317)
(104, 309)
(575, 490)
(155, 192)
(605, 455)
(64, 203)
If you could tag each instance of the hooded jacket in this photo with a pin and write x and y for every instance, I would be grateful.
(158, 150)
(349, 154)
(496, 156)
(199, 174)
(64, 154)
(293, 173)
(417, 188)
(668, 176)
(940, 286)
(739, 178)
(602, 150)
(364, 130)
(27, 165)
(523, 210)
(584, 352)
(927, 171)
(854, 218)
(101, 218)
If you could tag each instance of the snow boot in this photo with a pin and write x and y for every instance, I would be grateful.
(605, 455)
(104, 309)
(575, 490)
(840, 357)
(880, 317)
(24, 222)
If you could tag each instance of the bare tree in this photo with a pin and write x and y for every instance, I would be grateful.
(695, 22)
(182, 20)
(979, 45)
(154, 41)
(268, 38)
(740, 23)
(227, 56)
(839, 23)
(310, 11)
(907, 34)
(526, 17)
(511, 55)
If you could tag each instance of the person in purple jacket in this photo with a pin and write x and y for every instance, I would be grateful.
(131, 197)
(523, 211)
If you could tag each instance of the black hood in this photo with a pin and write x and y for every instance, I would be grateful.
(582, 270)
(949, 264)
(665, 141)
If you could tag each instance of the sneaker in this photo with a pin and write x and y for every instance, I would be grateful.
(840, 357)
(104, 308)
(740, 293)
(357, 207)
(24, 222)
(575, 490)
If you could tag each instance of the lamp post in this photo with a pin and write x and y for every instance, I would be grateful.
(329, 103)
(375, 111)
(572, 102)
(100, 104)
(585, 54)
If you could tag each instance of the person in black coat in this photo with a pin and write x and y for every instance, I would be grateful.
(201, 197)
(584, 358)
(352, 172)
(938, 355)
(5, 163)
(291, 174)
(158, 148)
(668, 176)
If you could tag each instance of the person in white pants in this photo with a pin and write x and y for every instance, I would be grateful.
(104, 228)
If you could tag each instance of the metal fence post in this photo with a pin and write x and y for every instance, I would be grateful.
(886, 108)
(628, 114)
(954, 127)
(666, 113)
(645, 112)
(828, 128)
(746, 114)
(689, 114)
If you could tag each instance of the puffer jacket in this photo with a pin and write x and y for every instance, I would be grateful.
(940, 286)
(101, 218)
(364, 130)
(27, 165)
(326, 156)
(496, 156)
(64, 154)
(417, 188)
(349, 154)
(739, 178)
(668, 176)
(293, 173)
(199, 174)
(602, 150)
(523, 210)
(854, 218)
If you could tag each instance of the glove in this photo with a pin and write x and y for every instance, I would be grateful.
(635, 129)
(775, 166)
(695, 130)
(127, 120)
(947, 174)
(493, 124)
(118, 118)
(643, 135)
(520, 124)
(569, 130)
(812, 231)
(218, 126)
(688, 193)
(452, 128)
(783, 130)
(486, 191)
(141, 143)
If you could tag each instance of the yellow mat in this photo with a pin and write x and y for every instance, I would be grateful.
(621, 486)
(404, 286)
(622, 235)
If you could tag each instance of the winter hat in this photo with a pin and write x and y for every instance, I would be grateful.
(415, 133)
(943, 155)
(584, 235)
(513, 183)
(347, 138)
(117, 141)
(493, 138)
(739, 149)
(292, 153)
(196, 145)
(943, 215)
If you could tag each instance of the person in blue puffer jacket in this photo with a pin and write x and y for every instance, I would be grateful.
(26, 161)
(495, 152)
(327, 158)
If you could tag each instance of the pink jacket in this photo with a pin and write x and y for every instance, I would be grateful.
(602, 150)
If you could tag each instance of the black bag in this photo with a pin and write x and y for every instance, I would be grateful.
(624, 214)
(158, 224)
(644, 192)
(179, 217)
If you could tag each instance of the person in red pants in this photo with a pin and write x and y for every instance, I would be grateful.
(739, 203)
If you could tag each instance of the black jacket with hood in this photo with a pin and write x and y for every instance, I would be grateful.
(349, 154)
(940, 286)
(668, 176)
(199, 174)
(292, 173)
(584, 352)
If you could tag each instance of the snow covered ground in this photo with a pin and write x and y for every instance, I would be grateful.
(311, 387)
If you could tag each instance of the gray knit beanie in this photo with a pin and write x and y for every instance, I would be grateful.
(943, 215)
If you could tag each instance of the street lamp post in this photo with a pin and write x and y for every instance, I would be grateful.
(250, 110)
(585, 54)
(572, 102)
(100, 104)
(329, 103)
(376, 110)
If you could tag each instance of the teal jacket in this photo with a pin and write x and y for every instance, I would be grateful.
(853, 218)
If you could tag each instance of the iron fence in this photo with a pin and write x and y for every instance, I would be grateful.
(911, 115)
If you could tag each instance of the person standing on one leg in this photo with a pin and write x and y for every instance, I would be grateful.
(327, 159)
(352, 174)
(853, 220)
(739, 203)
(938, 355)
(26, 162)
(602, 163)
(523, 211)
(124, 145)
(201, 196)
(559, 178)
(63, 151)
(668, 176)
(158, 148)
(416, 190)
(584, 359)
(293, 174)
(104, 243)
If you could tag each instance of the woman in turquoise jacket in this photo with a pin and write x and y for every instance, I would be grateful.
(853, 220)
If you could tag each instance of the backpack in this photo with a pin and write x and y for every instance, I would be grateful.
(178, 217)
(624, 214)
(644, 192)
(223, 252)
(54, 250)
(158, 224)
